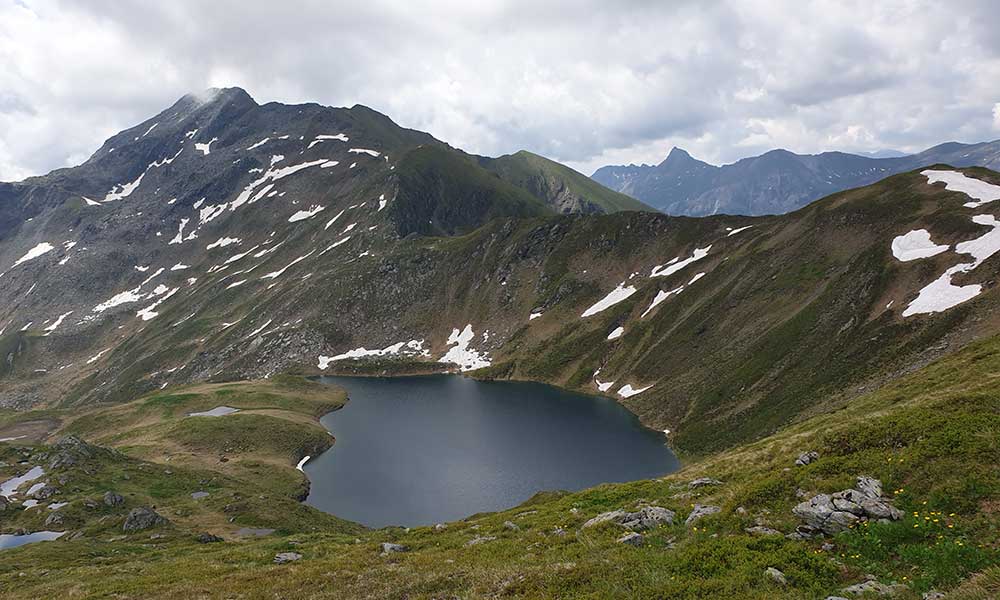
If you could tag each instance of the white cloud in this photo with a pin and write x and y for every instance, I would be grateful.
(996, 116)
(587, 82)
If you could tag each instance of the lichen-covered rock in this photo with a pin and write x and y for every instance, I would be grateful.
(762, 530)
(511, 526)
(45, 492)
(873, 587)
(833, 513)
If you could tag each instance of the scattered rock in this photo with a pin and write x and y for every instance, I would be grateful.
(873, 587)
(762, 530)
(806, 457)
(286, 557)
(632, 539)
(646, 517)
(4, 503)
(740, 510)
(703, 481)
(142, 517)
(45, 492)
(511, 526)
(833, 513)
(701, 510)
(113, 499)
(559, 531)
(388, 548)
(207, 538)
(480, 539)
(932, 595)
(54, 520)
(440, 527)
(776, 576)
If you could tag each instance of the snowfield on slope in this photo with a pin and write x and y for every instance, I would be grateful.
(981, 192)
(461, 354)
(915, 244)
(615, 296)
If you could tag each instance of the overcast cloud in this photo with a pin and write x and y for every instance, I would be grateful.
(587, 83)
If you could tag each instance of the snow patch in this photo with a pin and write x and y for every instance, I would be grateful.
(460, 354)
(915, 244)
(206, 148)
(617, 333)
(302, 215)
(627, 391)
(677, 264)
(616, 295)
(980, 191)
(411, 348)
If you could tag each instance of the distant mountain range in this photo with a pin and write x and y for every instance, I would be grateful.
(776, 182)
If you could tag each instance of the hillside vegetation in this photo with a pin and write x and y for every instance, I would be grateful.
(930, 437)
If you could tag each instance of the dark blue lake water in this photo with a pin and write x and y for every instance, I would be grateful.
(421, 450)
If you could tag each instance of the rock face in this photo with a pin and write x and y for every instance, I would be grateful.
(806, 457)
(113, 499)
(833, 513)
(141, 518)
(646, 517)
(701, 510)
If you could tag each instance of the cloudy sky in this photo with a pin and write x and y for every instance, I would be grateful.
(586, 82)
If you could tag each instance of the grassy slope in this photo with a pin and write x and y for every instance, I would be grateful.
(932, 437)
(543, 178)
(444, 192)
(245, 460)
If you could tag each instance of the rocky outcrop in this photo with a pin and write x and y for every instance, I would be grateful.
(141, 518)
(631, 539)
(388, 548)
(286, 557)
(833, 513)
(69, 451)
(646, 517)
(700, 511)
(806, 457)
(873, 587)
(703, 481)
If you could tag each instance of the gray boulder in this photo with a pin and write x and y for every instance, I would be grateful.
(207, 538)
(45, 492)
(480, 539)
(701, 510)
(142, 517)
(511, 526)
(806, 457)
(646, 517)
(113, 499)
(631, 539)
(4, 503)
(932, 595)
(869, 486)
(286, 557)
(873, 587)
(762, 531)
(703, 481)
(776, 576)
(833, 513)
(54, 520)
(388, 548)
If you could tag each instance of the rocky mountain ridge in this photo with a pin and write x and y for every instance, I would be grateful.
(776, 182)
